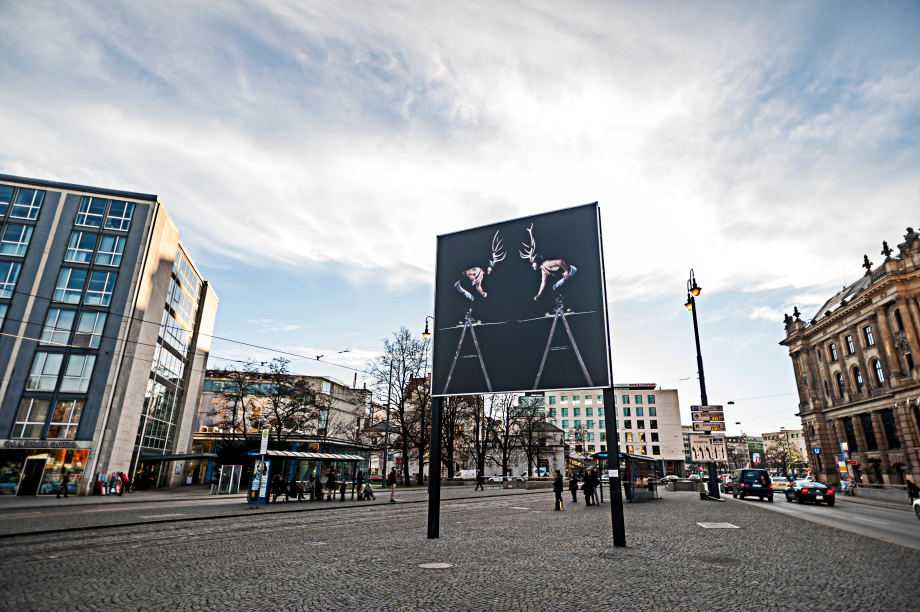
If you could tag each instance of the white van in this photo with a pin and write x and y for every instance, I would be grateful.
(465, 474)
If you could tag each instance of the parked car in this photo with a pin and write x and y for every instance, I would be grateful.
(752, 483)
(669, 478)
(726, 485)
(496, 479)
(693, 477)
(917, 507)
(810, 491)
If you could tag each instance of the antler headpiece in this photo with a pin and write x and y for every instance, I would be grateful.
(497, 254)
(531, 250)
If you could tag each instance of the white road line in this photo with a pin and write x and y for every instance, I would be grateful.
(519, 508)
(5, 516)
(160, 515)
(868, 520)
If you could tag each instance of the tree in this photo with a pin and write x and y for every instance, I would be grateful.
(781, 454)
(475, 435)
(418, 424)
(578, 443)
(234, 409)
(530, 429)
(455, 411)
(404, 359)
(289, 402)
(500, 430)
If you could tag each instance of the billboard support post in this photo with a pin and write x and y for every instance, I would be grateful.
(613, 470)
(692, 291)
(434, 471)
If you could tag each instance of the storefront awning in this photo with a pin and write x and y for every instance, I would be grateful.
(299, 455)
(156, 458)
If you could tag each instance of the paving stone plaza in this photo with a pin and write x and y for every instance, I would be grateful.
(507, 552)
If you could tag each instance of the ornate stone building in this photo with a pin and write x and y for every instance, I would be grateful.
(856, 371)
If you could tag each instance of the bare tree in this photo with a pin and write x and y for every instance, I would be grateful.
(455, 412)
(530, 429)
(234, 409)
(289, 402)
(404, 359)
(500, 429)
(578, 443)
(418, 425)
(781, 454)
(475, 435)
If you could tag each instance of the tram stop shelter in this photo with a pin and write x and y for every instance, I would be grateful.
(637, 472)
(298, 466)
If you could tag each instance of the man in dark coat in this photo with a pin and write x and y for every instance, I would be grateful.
(557, 490)
(479, 481)
(64, 480)
(391, 482)
(573, 488)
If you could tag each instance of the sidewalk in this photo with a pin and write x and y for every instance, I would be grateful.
(173, 494)
(880, 504)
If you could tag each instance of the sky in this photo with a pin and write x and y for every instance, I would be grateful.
(310, 153)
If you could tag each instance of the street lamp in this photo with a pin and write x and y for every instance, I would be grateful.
(427, 334)
(693, 290)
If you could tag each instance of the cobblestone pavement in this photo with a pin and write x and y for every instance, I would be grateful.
(509, 553)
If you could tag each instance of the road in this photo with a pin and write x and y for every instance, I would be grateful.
(892, 524)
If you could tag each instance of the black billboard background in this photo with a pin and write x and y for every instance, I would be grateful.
(512, 351)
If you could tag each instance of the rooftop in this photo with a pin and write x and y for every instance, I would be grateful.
(75, 187)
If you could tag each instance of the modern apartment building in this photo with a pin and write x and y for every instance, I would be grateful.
(648, 420)
(105, 327)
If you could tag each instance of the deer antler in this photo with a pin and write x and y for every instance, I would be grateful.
(497, 254)
(532, 248)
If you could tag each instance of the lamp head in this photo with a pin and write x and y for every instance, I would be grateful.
(426, 334)
(695, 289)
(689, 303)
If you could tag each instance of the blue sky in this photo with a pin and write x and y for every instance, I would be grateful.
(310, 153)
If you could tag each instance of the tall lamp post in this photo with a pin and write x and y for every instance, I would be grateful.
(434, 463)
(693, 290)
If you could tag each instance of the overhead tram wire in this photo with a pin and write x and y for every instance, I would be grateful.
(130, 318)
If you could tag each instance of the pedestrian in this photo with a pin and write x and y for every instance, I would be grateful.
(359, 481)
(294, 490)
(342, 490)
(330, 485)
(276, 487)
(595, 485)
(557, 490)
(913, 492)
(479, 481)
(391, 482)
(573, 488)
(588, 488)
(64, 480)
(311, 494)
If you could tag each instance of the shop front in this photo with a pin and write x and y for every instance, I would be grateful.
(37, 467)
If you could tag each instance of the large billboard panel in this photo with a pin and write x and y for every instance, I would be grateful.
(520, 306)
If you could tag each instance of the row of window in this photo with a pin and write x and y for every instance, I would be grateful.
(564, 399)
(47, 366)
(850, 346)
(564, 424)
(577, 411)
(877, 372)
(627, 437)
(33, 415)
(652, 411)
(92, 210)
(27, 204)
(629, 449)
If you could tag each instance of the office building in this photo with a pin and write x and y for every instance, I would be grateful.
(106, 329)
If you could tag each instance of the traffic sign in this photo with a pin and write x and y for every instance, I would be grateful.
(264, 447)
(706, 408)
(705, 448)
(816, 450)
(706, 417)
(720, 426)
(851, 462)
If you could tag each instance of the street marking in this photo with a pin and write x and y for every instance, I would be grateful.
(718, 526)
(160, 515)
(436, 565)
(102, 510)
(19, 514)
(519, 508)
(868, 520)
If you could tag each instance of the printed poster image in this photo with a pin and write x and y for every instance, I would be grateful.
(520, 306)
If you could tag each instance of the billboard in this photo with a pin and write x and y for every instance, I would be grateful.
(520, 306)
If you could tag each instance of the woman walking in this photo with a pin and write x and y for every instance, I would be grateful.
(557, 490)
(573, 488)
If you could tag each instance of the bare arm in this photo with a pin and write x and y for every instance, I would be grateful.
(542, 284)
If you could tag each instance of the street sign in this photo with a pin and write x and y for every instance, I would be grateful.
(706, 417)
(264, 448)
(720, 426)
(705, 448)
(816, 450)
(706, 408)
(851, 462)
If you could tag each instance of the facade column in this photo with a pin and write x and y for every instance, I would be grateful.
(882, 347)
(815, 384)
(887, 340)
(825, 441)
(801, 388)
(907, 319)
(859, 433)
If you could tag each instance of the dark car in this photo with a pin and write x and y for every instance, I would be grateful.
(752, 483)
(727, 484)
(809, 491)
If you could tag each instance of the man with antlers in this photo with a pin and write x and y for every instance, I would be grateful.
(548, 267)
(476, 273)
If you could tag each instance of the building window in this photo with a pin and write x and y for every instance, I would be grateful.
(655, 438)
(879, 375)
(867, 332)
(850, 435)
(590, 437)
(565, 425)
(891, 429)
(652, 411)
(78, 372)
(600, 399)
(627, 424)
(6, 194)
(80, 248)
(641, 436)
(552, 412)
(3, 308)
(563, 399)
(565, 411)
(31, 418)
(576, 424)
(90, 213)
(827, 390)
(552, 422)
(651, 399)
(640, 424)
(589, 424)
(589, 411)
(603, 436)
(44, 373)
(576, 411)
(653, 424)
(832, 350)
(9, 272)
(639, 411)
(110, 251)
(865, 419)
(850, 348)
(552, 399)
(626, 411)
(638, 399)
(656, 450)
(28, 203)
(625, 399)
(642, 450)
(588, 399)
(629, 437)
(70, 286)
(100, 288)
(58, 324)
(576, 399)
(16, 240)
(857, 378)
(65, 419)
(840, 387)
(600, 411)
(629, 450)
(119, 216)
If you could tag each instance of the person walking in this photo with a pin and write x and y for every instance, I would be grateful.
(359, 481)
(588, 488)
(595, 485)
(479, 481)
(294, 490)
(557, 490)
(330, 485)
(64, 480)
(276, 488)
(573, 488)
(311, 495)
(391, 482)
(913, 492)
